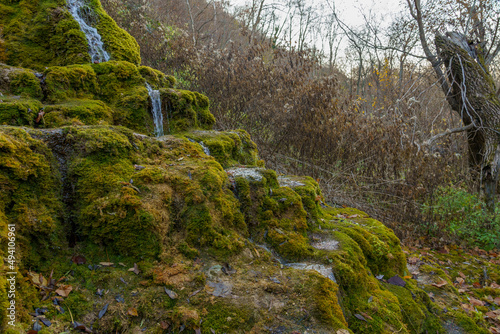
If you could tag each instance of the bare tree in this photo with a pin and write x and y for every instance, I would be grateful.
(461, 66)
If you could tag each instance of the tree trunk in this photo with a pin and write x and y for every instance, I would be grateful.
(473, 91)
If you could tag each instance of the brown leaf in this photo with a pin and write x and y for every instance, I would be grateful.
(366, 316)
(37, 279)
(495, 286)
(132, 312)
(164, 325)
(353, 216)
(460, 280)
(476, 302)
(79, 259)
(477, 285)
(64, 290)
(462, 275)
(135, 269)
(497, 301)
(494, 330)
(440, 284)
(106, 264)
(413, 260)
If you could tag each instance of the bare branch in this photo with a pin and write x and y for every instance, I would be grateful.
(448, 132)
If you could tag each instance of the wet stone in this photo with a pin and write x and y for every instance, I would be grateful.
(319, 268)
(219, 289)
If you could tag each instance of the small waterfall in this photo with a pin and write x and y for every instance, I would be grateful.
(156, 111)
(206, 150)
(96, 47)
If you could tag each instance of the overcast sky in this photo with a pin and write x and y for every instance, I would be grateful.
(351, 11)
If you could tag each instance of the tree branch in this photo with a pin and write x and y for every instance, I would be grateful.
(447, 133)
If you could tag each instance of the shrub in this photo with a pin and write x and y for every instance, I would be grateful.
(464, 217)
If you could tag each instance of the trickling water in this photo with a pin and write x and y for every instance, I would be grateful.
(206, 150)
(156, 111)
(96, 47)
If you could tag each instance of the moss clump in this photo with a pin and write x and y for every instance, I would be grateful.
(29, 196)
(119, 43)
(228, 148)
(223, 317)
(157, 78)
(19, 111)
(33, 28)
(186, 110)
(24, 82)
(89, 112)
(69, 82)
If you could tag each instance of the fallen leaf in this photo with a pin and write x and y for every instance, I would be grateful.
(366, 316)
(396, 280)
(495, 286)
(342, 331)
(64, 290)
(494, 330)
(164, 325)
(476, 302)
(460, 280)
(360, 317)
(170, 293)
(45, 321)
(37, 326)
(79, 259)
(37, 279)
(353, 216)
(440, 284)
(413, 260)
(197, 331)
(102, 312)
(135, 269)
(407, 277)
(106, 264)
(477, 285)
(462, 275)
(132, 312)
(497, 301)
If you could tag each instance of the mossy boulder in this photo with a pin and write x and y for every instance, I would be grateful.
(228, 148)
(44, 33)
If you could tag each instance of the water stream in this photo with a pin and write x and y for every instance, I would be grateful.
(156, 110)
(96, 47)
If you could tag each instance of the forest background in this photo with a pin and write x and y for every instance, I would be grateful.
(356, 107)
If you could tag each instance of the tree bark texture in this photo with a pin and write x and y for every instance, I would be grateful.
(473, 95)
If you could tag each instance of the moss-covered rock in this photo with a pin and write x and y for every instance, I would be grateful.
(43, 33)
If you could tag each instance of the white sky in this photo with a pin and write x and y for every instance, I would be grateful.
(349, 10)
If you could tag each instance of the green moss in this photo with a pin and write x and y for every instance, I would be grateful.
(25, 83)
(223, 317)
(76, 81)
(228, 148)
(30, 196)
(88, 112)
(157, 78)
(19, 111)
(42, 33)
(186, 110)
(120, 44)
